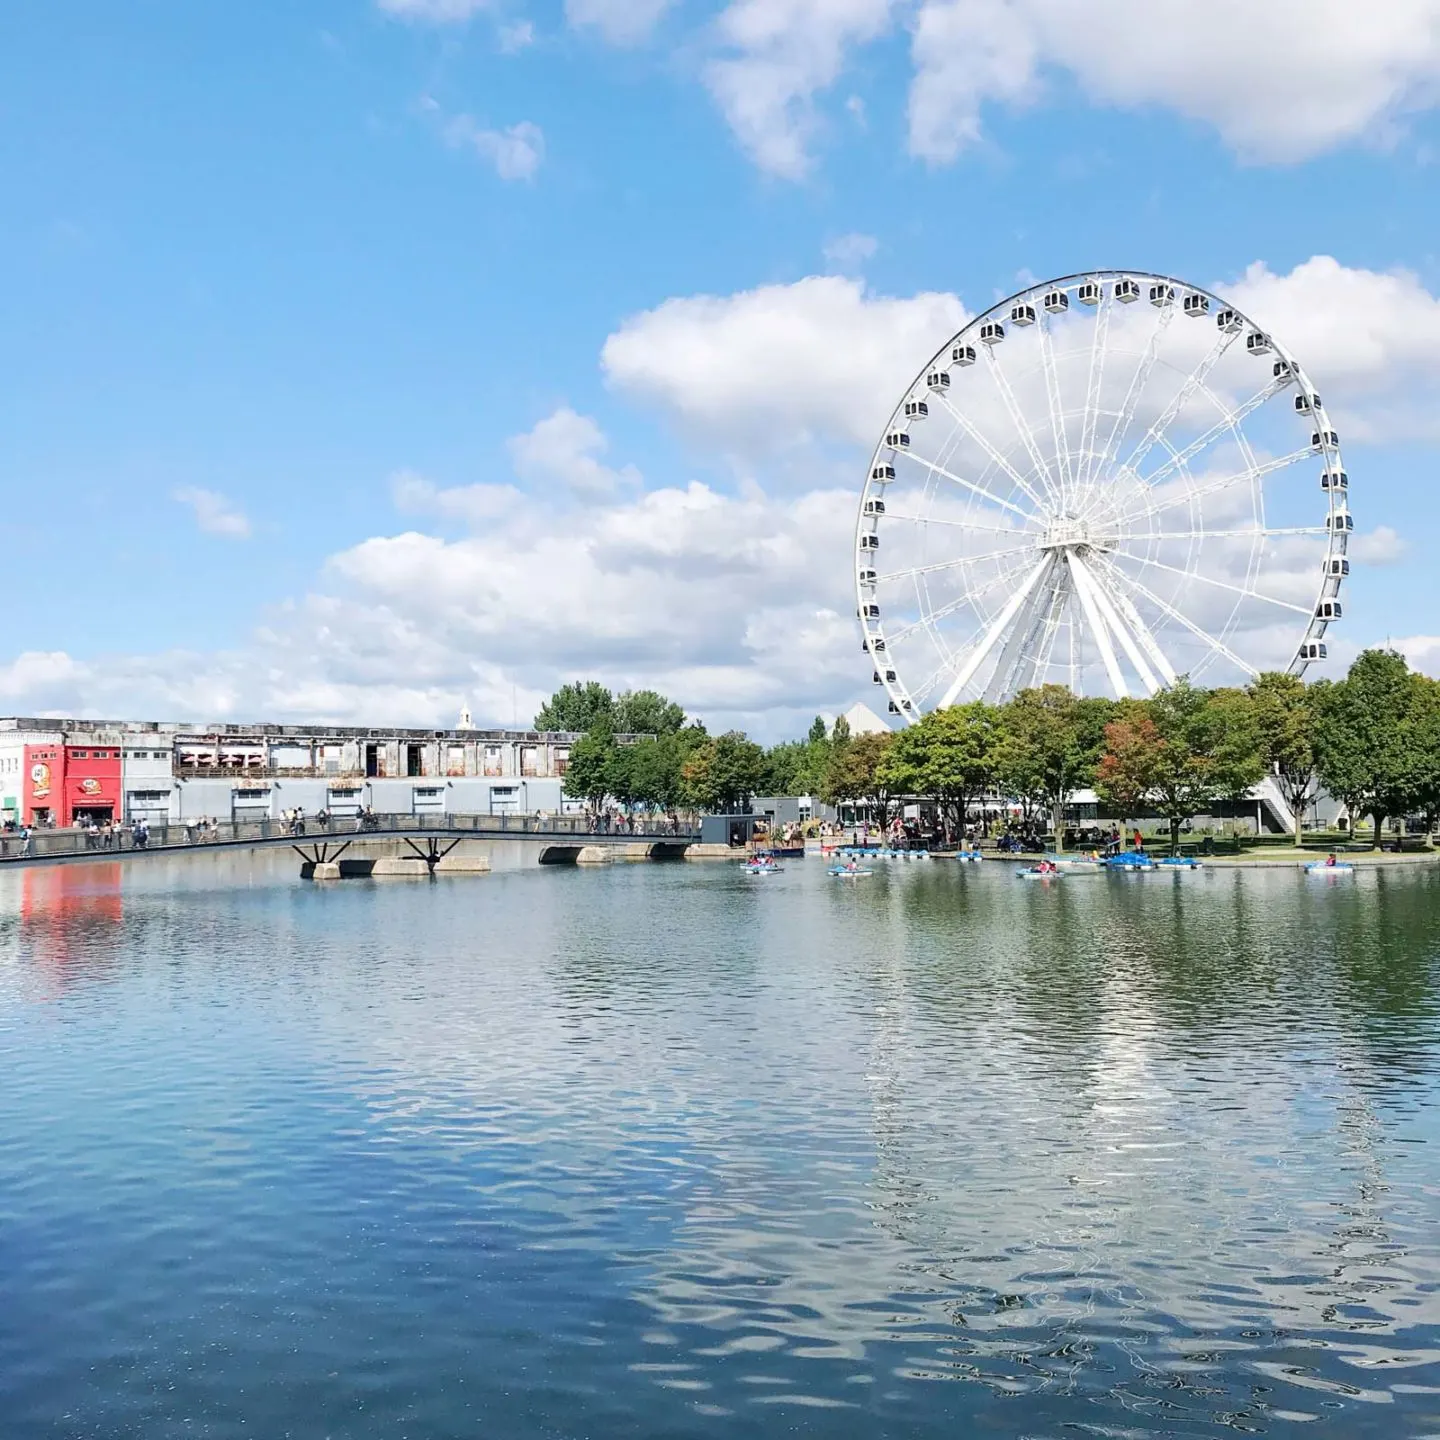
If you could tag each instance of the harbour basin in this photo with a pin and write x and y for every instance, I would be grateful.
(667, 1150)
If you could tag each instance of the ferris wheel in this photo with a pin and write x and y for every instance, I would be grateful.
(1107, 481)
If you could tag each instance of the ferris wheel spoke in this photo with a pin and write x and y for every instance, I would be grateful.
(1219, 647)
(1210, 580)
(1203, 534)
(957, 524)
(939, 565)
(1002, 623)
(1182, 397)
(1099, 345)
(1138, 385)
(1063, 459)
(971, 485)
(1228, 422)
(1213, 487)
(970, 428)
(959, 603)
(1007, 395)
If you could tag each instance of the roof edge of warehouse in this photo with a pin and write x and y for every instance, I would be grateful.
(231, 729)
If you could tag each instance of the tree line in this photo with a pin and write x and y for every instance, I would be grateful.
(1372, 740)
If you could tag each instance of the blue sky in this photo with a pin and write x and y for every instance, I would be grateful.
(309, 408)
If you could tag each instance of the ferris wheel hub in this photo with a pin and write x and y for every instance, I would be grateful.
(1067, 532)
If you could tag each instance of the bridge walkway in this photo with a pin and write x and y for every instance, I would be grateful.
(423, 835)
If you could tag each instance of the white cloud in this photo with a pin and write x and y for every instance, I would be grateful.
(965, 52)
(1421, 651)
(473, 504)
(567, 447)
(435, 12)
(515, 153)
(214, 514)
(777, 56)
(849, 252)
(736, 605)
(621, 22)
(1382, 546)
(1279, 81)
(769, 369)
(515, 36)
(1370, 341)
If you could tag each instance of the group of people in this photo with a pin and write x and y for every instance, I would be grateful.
(621, 822)
(110, 834)
(294, 820)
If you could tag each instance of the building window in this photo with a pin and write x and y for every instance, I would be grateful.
(492, 760)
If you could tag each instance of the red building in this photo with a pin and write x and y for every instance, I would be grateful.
(70, 784)
(92, 784)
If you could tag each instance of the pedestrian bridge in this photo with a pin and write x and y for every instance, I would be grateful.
(428, 839)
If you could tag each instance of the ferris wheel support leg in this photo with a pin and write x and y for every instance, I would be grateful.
(1122, 602)
(1117, 626)
(1002, 623)
(1024, 637)
(1080, 576)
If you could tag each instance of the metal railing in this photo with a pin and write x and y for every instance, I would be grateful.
(57, 844)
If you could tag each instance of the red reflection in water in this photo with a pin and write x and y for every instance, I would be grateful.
(67, 916)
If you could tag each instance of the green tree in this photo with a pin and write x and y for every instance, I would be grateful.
(784, 765)
(591, 767)
(577, 708)
(948, 756)
(1210, 750)
(1364, 738)
(856, 770)
(1179, 753)
(1285, 715)
(1424, 748)
(646, 712)
(1126, 772)
(798, 767)
(624, 777)
(721, 775)
(1050, 744)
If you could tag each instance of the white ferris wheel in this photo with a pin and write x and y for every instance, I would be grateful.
(1108, 481)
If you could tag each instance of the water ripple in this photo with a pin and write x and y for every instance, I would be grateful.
(657, 1151)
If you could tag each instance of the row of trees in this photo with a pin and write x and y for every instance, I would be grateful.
(674, 764)
(1372, 740)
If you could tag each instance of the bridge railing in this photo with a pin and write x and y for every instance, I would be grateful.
(197, 835)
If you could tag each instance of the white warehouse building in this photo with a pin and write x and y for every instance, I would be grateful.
(165, 773)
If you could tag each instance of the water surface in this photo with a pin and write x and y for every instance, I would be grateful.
(666, 1151)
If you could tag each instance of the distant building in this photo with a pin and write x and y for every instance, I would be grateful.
(60, 772)
(862, 720)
